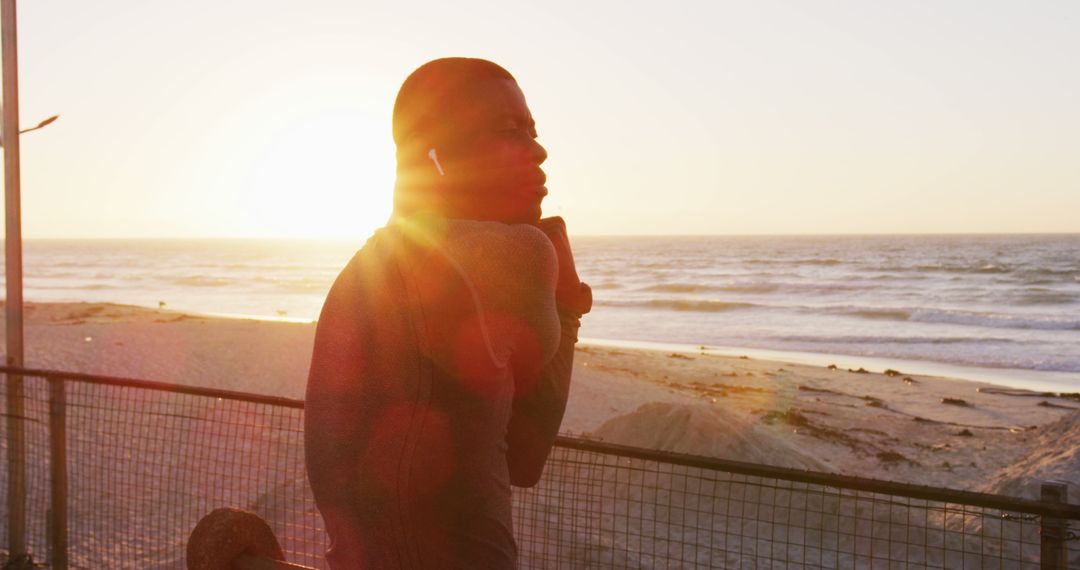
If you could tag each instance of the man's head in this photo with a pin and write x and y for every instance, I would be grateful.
(466, 144)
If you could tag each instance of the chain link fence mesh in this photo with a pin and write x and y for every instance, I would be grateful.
(147, 461)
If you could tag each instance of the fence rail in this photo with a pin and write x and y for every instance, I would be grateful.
(117, 472)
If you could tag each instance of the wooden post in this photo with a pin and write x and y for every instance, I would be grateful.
(58, 475)
(13, 262)
(1052, 555)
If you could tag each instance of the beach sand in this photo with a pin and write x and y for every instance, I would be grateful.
(895, 426)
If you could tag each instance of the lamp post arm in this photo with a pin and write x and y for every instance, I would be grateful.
(42, 124)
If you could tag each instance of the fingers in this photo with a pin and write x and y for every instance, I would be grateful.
(553, 225)
(570, 291)
(555, 228)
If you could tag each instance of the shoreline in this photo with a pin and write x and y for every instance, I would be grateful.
(1034, 380)
(1017, 378)
(907, 426)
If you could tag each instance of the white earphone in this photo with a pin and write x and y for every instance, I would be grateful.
(435, 158)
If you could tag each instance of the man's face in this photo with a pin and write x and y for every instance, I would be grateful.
(492, 163)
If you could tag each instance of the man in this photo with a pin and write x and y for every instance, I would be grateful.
(444, 350)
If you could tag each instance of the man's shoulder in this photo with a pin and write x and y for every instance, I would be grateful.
(375, 257)
(517, 241)
(475, 249)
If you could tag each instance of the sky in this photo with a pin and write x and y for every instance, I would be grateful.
(271, 118)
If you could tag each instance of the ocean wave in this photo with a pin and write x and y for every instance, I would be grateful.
(997, 321)
(943, 268)
(203, 281)
(1047, 298)
(1053, 272)
(698, 305)
(965, 268)
(966, 318)
(77, 264)
(46, 274)
(36, 286)
(855, 339)
(682, 305)
(889, 314)
(804, 261)
(706, 288)
(832, 288)
(294, 285)
(750, 288)
(1020, 273)
(258, 266)
(899, 277)
(679, 288)
(1040, 281)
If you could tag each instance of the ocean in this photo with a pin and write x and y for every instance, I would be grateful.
(1002, 308)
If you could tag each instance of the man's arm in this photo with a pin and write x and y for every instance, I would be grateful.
(331, 428)
(332, 381)
(538, 413)
(541, 395)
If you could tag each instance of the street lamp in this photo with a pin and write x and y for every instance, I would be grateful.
(44, 123)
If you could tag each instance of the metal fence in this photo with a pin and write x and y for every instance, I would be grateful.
(117, 472)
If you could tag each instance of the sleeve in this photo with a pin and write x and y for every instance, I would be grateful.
(335, 364)
(541, 378)
(539, 406)
(330, 426)
(517, 269)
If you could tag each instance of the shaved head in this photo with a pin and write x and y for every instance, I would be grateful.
(429, 97)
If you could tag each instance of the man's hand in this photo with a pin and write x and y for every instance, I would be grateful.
(569, 291)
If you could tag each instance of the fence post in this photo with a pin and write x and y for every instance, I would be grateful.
(1052, 555)
(16, 467)
(58, 475)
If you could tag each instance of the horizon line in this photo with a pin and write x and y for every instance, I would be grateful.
(575, 235)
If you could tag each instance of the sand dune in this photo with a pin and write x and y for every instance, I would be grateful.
(1055, 456)
(703, 430)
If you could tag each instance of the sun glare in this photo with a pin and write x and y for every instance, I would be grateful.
(329, 175)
